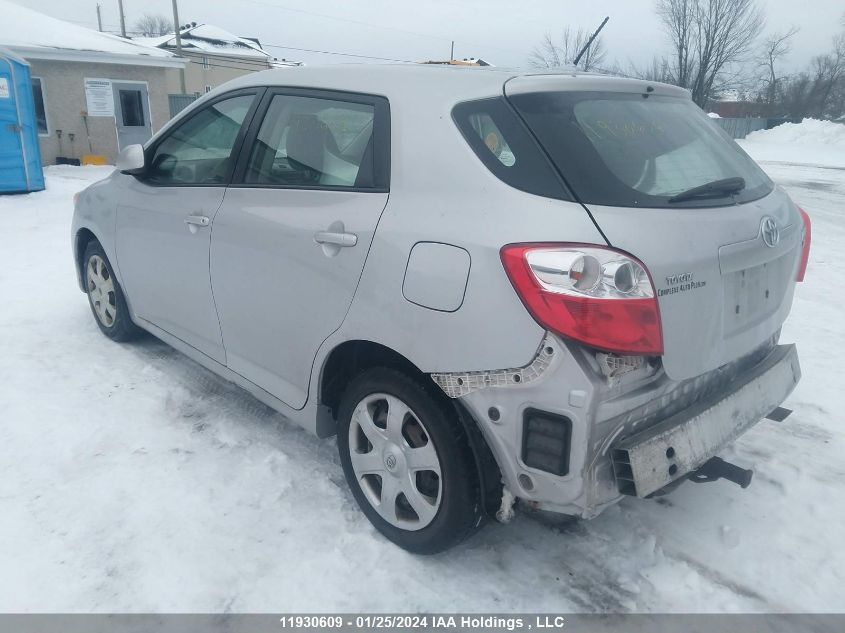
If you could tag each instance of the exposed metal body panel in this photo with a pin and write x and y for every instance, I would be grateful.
(659, 455)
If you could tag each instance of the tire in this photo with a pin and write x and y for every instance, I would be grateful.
(105, 295)
(390, 429)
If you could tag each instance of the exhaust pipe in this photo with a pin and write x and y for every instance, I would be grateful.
(717, 468)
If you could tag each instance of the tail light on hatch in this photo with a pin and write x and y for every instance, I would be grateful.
(595, 295)
(805, 246)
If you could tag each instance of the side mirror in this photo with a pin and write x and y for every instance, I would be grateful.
(131, 160)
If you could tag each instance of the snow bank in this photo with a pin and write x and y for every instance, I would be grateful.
(808, 132)
(811, 142)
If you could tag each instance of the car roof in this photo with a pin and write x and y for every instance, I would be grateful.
(452, 83)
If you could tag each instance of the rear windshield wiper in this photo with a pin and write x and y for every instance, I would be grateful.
(724, 186)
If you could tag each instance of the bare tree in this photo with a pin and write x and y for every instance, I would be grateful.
(656, 70)
(820, 90)
(679, 18)
(150, 25)
(707, 37)
(550, 54)
(776, 47)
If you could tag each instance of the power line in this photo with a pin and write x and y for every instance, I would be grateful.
(210, 65)
(349, 20)
(378, 26)
(313, 50)
(340, 19)
(228, 58)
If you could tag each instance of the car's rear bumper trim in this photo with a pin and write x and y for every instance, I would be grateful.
(655, 457)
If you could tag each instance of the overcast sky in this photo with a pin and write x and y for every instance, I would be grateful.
(501, 31)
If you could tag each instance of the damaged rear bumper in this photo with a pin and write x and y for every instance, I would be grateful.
(655, 457)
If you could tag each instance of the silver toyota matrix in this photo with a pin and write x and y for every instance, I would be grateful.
(560, 288)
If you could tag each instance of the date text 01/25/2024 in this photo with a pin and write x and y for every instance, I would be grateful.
(428, 622)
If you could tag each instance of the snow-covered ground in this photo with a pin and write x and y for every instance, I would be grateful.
(133, 480)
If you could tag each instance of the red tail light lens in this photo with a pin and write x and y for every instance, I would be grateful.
(595, 295)
(805, 247)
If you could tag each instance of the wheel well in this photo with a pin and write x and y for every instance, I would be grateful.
(352, 357)
(83, 237)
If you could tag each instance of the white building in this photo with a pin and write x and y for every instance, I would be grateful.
(94, 93)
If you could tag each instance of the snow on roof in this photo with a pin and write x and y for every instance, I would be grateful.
(284, 63)
(466, 61)
(208, 39)
(35, 35)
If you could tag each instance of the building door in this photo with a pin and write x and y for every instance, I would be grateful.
(131, 113)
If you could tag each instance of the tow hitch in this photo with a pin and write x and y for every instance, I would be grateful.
(717, 468)
(659, 455)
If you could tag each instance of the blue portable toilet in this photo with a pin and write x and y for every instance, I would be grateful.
(20, 156)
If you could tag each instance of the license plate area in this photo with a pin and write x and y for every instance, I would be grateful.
(753, 294)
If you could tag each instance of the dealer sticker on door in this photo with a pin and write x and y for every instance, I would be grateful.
(4, 88)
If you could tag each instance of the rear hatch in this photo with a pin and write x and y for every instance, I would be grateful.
(665, 184)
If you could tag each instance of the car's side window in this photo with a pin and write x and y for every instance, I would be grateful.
(501, 141)
(314, 142)
(199, 151)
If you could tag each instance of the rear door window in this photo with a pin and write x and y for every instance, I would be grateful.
(320, 142)
(623, 149)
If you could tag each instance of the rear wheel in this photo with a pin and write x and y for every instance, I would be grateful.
(406, 458)
(105, 295)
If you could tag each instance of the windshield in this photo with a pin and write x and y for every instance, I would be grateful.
(627, 149)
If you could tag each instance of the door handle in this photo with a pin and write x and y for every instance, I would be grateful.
(337, 239)
(197, 220)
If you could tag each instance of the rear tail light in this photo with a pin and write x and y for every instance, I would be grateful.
(595, 295)
(805, 246)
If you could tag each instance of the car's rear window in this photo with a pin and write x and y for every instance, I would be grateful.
(630, 150)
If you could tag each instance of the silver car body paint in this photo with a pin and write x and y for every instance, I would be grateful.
(265, 237)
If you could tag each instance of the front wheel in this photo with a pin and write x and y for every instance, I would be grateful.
(406, 458)
(105, 295)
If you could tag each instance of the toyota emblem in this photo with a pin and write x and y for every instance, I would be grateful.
(770, 231)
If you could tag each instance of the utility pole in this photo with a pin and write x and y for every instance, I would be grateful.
(177, 30)
(99, 19)
(122, 18)
(452, 54)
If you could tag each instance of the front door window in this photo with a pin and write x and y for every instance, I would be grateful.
(199, 151)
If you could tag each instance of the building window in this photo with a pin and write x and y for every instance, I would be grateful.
(132, 108)
(40, 110)
(205, 62)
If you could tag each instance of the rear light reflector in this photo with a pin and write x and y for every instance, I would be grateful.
(805, 246)
(546, 438)
(595, 295)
